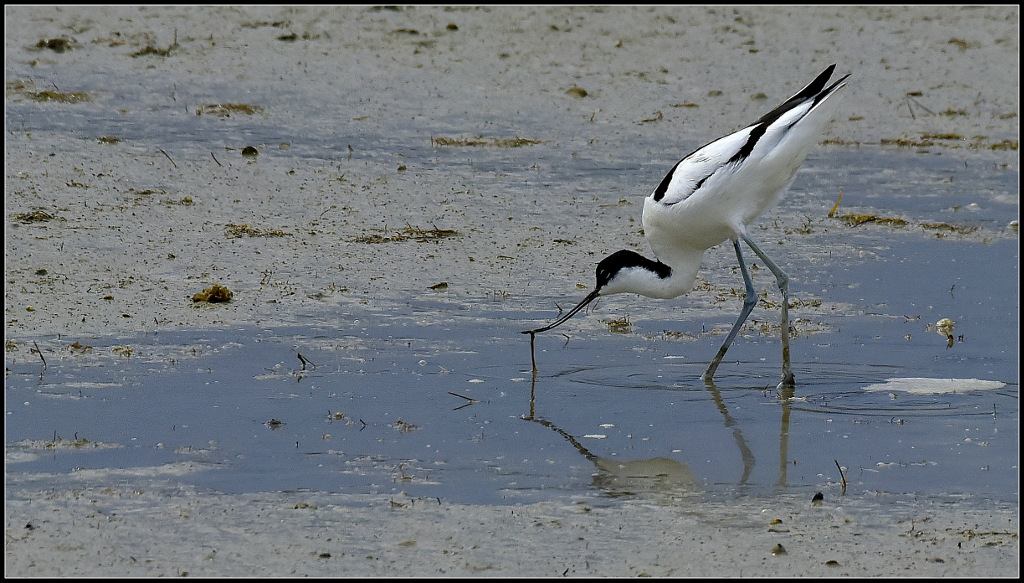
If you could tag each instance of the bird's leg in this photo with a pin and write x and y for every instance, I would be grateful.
(783, 281)
(749, 301)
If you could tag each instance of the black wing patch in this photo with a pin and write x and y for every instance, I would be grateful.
(813, 89)
(659, 193)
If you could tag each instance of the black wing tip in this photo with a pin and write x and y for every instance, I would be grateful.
(841, 79)
(833, 87)
(815, 87)
(826, 74)
(815, 90)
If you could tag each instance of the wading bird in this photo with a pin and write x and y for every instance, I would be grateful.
(710, 196)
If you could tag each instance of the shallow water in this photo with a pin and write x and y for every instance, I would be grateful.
(383, 404)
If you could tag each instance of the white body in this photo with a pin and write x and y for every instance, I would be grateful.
(711, 199)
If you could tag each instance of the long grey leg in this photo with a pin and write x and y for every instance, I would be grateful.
(749, 301)
(783, 281)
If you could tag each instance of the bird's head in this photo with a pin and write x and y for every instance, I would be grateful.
(624, 271)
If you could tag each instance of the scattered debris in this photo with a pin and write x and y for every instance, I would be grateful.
(962, 230)
(69, 97)
(481, 141)
(855, 220)
(620, 326)
(403, 427)
(233, 231)
(34, 217)
(416, 234)
(80, 348)
(215, 294)
(57, 45)
(224, 110)
(944, 327)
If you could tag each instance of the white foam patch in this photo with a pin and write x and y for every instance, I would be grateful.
(923, 386)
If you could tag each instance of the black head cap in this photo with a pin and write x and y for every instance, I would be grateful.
(611, 265)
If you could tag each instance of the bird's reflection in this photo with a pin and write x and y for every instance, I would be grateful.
(785, 395)
(745, 454)
(623, 477)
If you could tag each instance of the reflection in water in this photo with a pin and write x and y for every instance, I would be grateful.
(622, 478)
(618, 477)
(655, 474)
(745, 454)
(785, 395)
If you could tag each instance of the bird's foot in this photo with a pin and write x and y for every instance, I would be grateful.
(787, 382)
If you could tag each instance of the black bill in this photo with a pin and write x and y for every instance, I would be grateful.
(593, 295)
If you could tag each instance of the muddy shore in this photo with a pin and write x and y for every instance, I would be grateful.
(403, 153)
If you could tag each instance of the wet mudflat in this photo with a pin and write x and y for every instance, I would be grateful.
(390, 215)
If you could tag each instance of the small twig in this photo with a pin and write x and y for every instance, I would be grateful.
(169, 158)
(469, 400)
(832, 212)
(216, 160)
(304, 360)
(842, 477)
(930, 112)
(40, 352)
